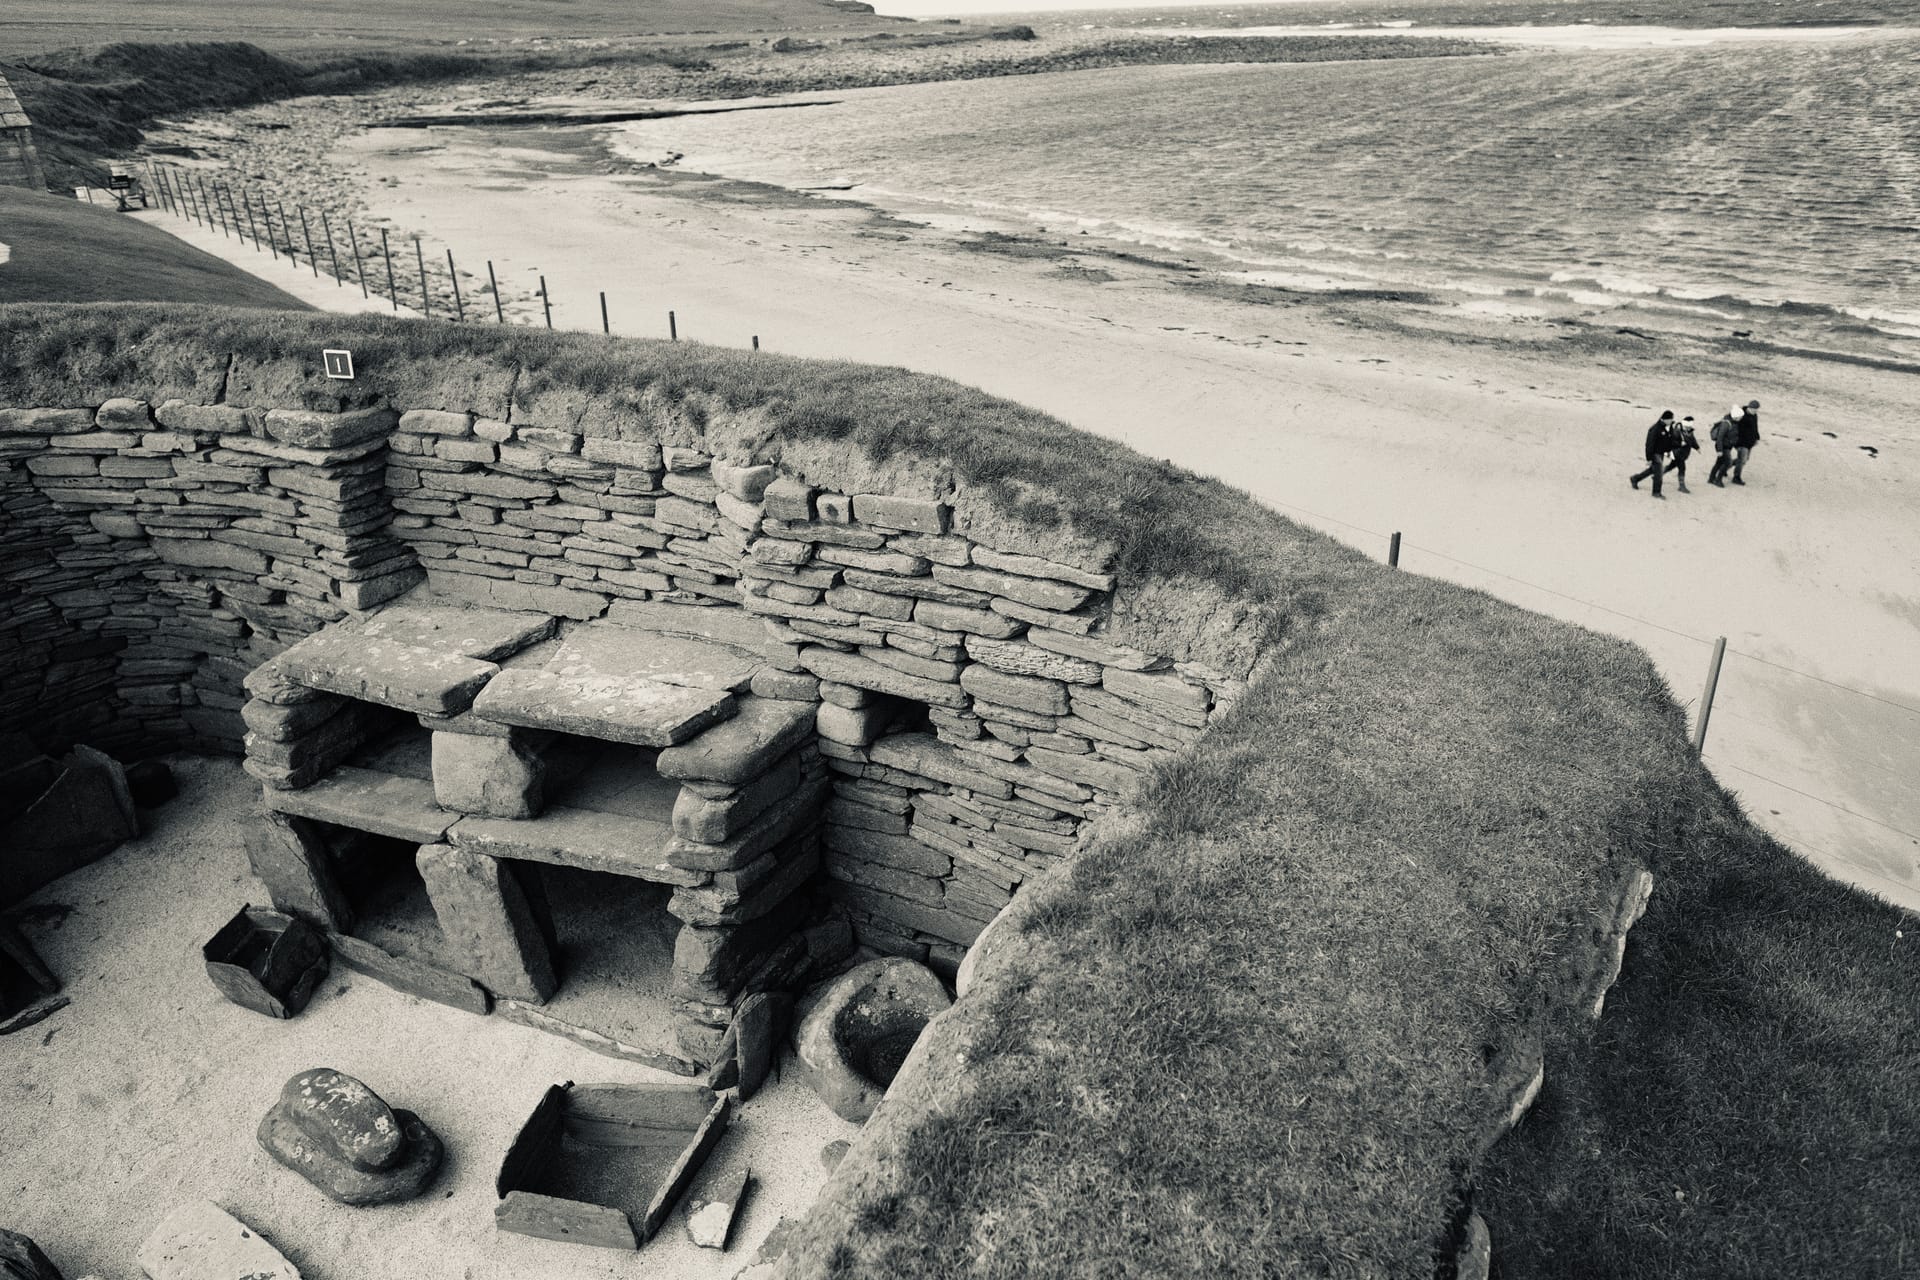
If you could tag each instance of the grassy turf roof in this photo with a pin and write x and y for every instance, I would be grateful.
(1260, 1029)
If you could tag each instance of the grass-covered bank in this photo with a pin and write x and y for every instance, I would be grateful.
(1250, 1034)
(66, 251)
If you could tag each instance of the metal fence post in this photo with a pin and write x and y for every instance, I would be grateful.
(327, 226)
(1393, 551)
(673, 328)
(359, 267)
(604, 326)
(393, 294)
(420, 257)
(306, 233)
(499, 312)
(756, 342)
(286, 227)
(546, 303)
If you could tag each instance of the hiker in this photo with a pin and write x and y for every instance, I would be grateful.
(1660, 437)
(1685, 445)
(1724, 433)
(1746, 436)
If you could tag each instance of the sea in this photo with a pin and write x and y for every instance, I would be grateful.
(1762, 181)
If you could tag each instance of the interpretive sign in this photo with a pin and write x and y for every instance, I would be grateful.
(339, 363)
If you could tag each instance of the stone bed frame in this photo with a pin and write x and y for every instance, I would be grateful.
(1026, 717)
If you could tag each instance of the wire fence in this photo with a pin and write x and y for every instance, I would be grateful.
(245, 211)
(354, 257)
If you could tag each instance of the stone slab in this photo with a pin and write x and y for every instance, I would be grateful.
(614, 708)
(202, 1241)
(601, 649)
(415, 977)
(568, 837)
(486, 635)
(416, 678)
(491, 922)
(761, 731)
(367, 800)
(865, 673)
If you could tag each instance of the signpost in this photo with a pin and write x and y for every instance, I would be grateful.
(339, 363)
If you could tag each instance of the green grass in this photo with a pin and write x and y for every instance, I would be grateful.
(67, 251)
(1250, 1035)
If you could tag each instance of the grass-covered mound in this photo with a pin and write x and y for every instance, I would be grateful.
(63, 250)
(1258, 1030)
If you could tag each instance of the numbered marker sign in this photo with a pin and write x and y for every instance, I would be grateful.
(339, 364)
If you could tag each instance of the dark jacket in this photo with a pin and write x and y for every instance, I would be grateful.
(1747, 430)
(1685, 445)
(1659, 439)
(1724, 433)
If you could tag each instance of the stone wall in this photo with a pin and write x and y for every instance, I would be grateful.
(972, 708)
(156, 555)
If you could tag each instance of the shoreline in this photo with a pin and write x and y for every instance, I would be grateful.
(1498, 447)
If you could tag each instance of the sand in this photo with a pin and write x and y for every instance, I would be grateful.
(144, 1092)
(1498, 446)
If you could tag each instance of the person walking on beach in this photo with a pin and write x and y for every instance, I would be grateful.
(1660, 438)
(1746, 436)
(1723, 435)
(1685, 445)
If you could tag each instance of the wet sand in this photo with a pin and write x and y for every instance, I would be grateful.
(1499, 447)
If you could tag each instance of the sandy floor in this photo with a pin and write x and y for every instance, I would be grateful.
(145, 1091)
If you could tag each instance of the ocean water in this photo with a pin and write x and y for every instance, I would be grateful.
(1768, 185)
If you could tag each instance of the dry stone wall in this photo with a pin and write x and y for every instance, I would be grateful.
(973, 710)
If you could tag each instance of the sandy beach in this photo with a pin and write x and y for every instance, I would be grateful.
(1497, 446)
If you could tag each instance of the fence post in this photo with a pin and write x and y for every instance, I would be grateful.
(604, 326)
(359, 267)
(266, 216)
(326, 225)
(499, 312)
(756, 342)
(286, 227)
(420, 257)
(1706, 698)
(306, 233)
(673, 328)
(459, 307)
(393, 294)
(1393, 551)
(173, 199)
(207, 204)
(238, 231)
(546, 303)
(253, 227)
(153, 178)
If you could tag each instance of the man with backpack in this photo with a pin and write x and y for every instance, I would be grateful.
(1746, 436)
(1723, 436)
(1685, 445)
(1660, 440)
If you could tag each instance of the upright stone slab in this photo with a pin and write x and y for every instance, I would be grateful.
(502, 933)
(493, 775)
(289, 857)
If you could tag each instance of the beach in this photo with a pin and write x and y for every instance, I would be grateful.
(1497, 444)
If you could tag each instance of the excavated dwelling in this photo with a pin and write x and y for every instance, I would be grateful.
(622, 714)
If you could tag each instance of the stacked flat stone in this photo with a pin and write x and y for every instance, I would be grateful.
(182, 545)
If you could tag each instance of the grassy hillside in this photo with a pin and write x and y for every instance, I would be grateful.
(1249, 1036)
(338, 26)
(65, 251)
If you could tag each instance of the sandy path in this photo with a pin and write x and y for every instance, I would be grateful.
(145, 1091)
(1511, 462)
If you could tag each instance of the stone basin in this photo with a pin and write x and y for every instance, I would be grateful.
(856, 1032)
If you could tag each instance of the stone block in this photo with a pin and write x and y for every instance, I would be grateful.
(1106, 653)
(495, 775)
(200, 553)
(1089, 771)
(1022, 658)
(1029, 693)
(638, 455)
(1059, 597)
(747, 483)
(413, 678)
(786, 686)
(1163, 691)
(761, 731)
(436, 422)
(856, 727)
(310, 429)
(711, 821)
(787, 498)
(1036, 567)
(372, 592)
(288, 856)
(46, 422)
(781, 820)
(495, 923)
(202, 1241)
(916, 515)
(865, 673)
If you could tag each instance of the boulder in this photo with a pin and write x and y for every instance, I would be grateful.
(343, 1138)
(857, 1030)
(338, 1111)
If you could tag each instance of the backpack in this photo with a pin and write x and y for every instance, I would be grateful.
(1724, 433)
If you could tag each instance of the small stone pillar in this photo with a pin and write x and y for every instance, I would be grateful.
(496, 920)
(290, 857)
(494, 771)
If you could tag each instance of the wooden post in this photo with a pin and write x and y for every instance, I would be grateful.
(756, 342)
(266, 216)
(207, 205)
(393, 294)
(673, 328)
(326, 225)
(604, 326)
(287, 228)
(253, 228)
(306, 234)
(420, 256)
(1393, 551)
(459, 307)
(546, 303)
(499, 312)
(173, 196)
(153, 177)
(1706, 698)
(359, 267)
